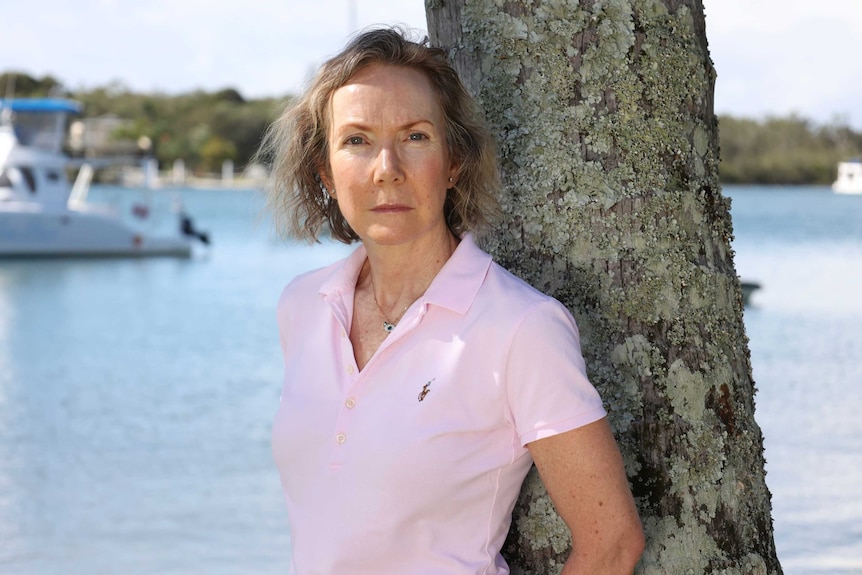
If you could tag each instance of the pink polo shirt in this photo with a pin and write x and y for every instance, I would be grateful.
(413, 465)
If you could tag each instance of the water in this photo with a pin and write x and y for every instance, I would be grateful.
(804, 245)
(135, 404)
(136, 396)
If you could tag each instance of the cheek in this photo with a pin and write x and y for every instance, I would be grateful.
(345, 173)
(436, 173)
(436, 197)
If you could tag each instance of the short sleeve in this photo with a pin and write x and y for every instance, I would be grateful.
(546, 380)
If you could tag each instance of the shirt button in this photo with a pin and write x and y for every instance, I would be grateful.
(349, 369)
(350, 403)
(340, 438)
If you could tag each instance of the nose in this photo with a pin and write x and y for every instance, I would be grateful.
(388, 167)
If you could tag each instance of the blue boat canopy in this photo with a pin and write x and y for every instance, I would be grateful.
(43, 105)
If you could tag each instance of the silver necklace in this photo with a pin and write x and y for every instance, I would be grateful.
(388, 326)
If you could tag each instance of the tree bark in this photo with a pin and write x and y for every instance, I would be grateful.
(609, 146)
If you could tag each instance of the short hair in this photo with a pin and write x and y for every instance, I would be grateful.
(296, 144)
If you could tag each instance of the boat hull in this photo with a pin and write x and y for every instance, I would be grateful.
(80, 234)
(847, 189)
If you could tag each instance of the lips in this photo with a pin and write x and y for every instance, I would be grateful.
(391, 209)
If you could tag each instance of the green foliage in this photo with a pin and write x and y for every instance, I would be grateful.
(788, 150)
(181, 126)
(214, 151)
(19, 83)
(199, 127)
(205, 128)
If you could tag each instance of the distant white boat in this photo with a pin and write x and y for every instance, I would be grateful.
(41, 214)
(849, 180)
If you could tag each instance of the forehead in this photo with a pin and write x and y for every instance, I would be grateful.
(386, 92)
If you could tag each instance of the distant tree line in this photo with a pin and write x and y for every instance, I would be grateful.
(206, 128)
(201, 128)
(788, 150)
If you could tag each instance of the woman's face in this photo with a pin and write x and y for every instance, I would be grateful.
(388, 159)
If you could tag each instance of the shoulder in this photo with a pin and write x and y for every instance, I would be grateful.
(308, 288)
(475, 274)
(510, 295)
(507, 315)
(308, 282)
(333, 278)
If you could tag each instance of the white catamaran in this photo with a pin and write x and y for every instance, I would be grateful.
(42, 214)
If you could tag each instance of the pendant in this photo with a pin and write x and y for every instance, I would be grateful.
(388, 327)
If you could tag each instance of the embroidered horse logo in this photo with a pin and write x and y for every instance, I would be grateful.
(426, 389)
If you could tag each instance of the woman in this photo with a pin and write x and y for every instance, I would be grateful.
(422, 379)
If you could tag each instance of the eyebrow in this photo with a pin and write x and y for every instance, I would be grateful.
(367, 128)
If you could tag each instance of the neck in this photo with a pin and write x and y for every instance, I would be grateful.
(398, 275)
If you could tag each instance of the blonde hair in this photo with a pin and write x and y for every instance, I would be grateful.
(296, 145)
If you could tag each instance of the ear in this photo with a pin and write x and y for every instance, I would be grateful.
(326, 181)
(454, 172)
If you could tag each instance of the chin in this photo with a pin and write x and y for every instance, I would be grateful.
(393, 236)
(388, 237)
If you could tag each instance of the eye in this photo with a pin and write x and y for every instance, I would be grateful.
(354, 140)
(418, 136)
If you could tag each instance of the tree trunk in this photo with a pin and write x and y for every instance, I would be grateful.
(604, 114)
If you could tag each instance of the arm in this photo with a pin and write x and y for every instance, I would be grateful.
(583, 472)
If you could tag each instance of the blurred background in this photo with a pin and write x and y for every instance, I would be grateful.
(136, 394)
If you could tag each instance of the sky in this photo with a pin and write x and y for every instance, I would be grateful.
(773, 57)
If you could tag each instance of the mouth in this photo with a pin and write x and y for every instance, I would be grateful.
(390, 209)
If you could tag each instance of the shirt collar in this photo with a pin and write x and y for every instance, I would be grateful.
(458, 282)
(455, 286)
(342, 280)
